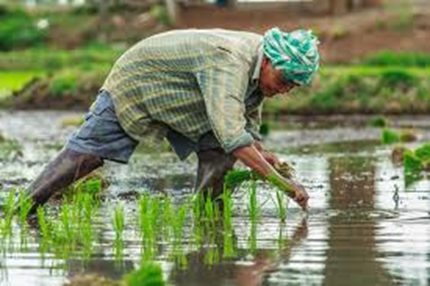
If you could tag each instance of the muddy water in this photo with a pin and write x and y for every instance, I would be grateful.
(363, 227)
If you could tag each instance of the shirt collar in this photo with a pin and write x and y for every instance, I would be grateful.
(259, 63)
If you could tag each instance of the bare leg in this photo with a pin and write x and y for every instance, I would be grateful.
(213, 165)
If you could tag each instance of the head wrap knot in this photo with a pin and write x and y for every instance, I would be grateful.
(295, 53)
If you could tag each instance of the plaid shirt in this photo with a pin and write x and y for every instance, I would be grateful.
(192, 81)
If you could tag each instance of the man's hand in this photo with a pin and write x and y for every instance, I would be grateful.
(270, 157)
(301, 197)
(252, 157)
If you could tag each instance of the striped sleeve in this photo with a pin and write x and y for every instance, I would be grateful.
(223, 88)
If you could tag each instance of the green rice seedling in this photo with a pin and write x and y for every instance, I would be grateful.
(279, 183)
(210, 212)
(253, 204)
(167, 217)
(197, 203)
(235, 178)
(92, 184)
(87, 239)
(228, 243)
(281, 238)
(25, 205)
(228, 208)
(390, 136)
(45, 231)
(412, 167)
(66, 223)
(423, 153)
(154, 216)
(145, 220)
(179, 222)
(253, 237)
(119, 222)
(8, 214)
(43, 224)
(149, 274)
(212, 254)
(379, 121)
(280, 206)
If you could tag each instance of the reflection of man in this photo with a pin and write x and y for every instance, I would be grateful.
(264, 262)
(200, 89)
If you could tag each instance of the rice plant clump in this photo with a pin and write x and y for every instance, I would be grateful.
(149, 274)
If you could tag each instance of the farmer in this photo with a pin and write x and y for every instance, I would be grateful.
(203, 91)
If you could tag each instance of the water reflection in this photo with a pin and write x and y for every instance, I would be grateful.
(243, 270)
(352, 253)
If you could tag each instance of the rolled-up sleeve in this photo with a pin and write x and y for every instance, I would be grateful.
(223, 88)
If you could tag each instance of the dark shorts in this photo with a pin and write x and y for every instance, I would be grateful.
(102, 135)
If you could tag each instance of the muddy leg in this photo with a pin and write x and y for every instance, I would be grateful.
(61, 172)
(213, 165)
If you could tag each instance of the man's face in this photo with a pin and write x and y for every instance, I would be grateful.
(272, 81)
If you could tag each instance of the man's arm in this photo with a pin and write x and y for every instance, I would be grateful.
(254, 159)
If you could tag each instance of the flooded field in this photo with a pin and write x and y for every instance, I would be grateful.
(363, 227)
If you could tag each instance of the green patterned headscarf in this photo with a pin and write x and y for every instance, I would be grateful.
(295, 53)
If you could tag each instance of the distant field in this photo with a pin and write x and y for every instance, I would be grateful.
(14, 80)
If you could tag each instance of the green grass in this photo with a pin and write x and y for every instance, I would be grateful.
(53, 60)
(401, 59)
(11, 81)
(360, 89)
